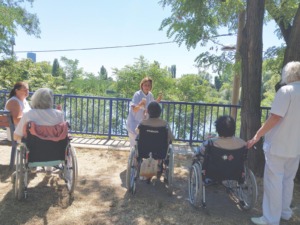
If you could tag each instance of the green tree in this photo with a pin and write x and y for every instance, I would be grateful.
(55, 68)
(128, 78)
(71, 69)
(286, 14)
(195, 88)
(13, 15)
(103, 73)
(173, 71)
(36, 74)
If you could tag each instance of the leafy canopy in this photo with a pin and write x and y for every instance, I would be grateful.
(13, 14)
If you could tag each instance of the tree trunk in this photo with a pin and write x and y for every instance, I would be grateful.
(292, 52)
(251, 55)
(237, 75)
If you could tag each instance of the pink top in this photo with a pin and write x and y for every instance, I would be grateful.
(52, 133)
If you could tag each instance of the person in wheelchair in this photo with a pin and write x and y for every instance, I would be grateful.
(41, 113)
(225, 127)
(154, 120)
(221, 160)
(153, 153)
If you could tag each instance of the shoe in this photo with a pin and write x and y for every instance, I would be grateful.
(259, 220)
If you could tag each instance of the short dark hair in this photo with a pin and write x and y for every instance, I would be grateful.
(154, 109)
(225, 126)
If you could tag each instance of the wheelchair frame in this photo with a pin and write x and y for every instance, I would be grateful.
(244, 194)
(134, 164)
(68, 169)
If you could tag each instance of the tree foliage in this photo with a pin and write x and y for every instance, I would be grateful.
(55, 68)
(13, 14)
(128, 79)
(36, 74)
(103, 73)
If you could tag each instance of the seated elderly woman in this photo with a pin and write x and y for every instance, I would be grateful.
(225, 127)
(154, 120)
(41, 113)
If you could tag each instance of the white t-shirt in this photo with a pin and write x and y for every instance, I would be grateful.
(283, 139)
(47, 117)
(134, 118)
(25, 107)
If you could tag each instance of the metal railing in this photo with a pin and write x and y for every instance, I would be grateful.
(190, 122)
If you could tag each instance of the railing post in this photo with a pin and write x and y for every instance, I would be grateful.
(110, 118)
(192, 127)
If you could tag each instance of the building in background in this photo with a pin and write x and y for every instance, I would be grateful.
(32, 56)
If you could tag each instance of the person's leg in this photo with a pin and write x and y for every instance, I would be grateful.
(272, 198)
(132, 137)
(290, 171)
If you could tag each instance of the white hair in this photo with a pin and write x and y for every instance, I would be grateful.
(42, 99)
(291, 72)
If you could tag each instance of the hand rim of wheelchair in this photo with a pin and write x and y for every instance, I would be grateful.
(18, 176)
(70, 171)
(131, 173)
(195, 186)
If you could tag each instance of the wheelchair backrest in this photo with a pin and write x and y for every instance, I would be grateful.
(47, 148)
(223, 164)
(154, 140)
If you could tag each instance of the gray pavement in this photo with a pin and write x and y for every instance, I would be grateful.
(121, 144)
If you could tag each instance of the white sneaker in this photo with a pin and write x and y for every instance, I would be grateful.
(259, 220)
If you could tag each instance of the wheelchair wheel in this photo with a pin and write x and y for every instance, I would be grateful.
(170, 171)
(71, 169)
(131, 172)
(248, 191)
(245, 194)
(195, 184)
(19, 174)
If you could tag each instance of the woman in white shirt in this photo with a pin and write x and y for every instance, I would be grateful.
(17, 103)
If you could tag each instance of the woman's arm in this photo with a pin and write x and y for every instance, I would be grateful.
(142, 104)
(268, 125)
(14, 107)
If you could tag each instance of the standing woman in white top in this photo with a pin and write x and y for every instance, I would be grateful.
(282, 148)
(138, 107)
(17, 103)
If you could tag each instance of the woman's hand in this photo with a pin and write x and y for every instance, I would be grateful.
(58, 107)
(159, 98)
(143, 103)
(252, 142)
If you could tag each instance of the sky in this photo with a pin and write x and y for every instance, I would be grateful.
(77, 24)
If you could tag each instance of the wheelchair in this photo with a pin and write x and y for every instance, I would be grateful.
(39, 150)
(225, 167)
(151, 141)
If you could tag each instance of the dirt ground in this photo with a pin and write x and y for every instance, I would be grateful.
(100, 197)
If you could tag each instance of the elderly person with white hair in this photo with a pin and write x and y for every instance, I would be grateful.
(281, 148)
(42, 113)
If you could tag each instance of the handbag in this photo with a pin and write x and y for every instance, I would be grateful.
(149, 167)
